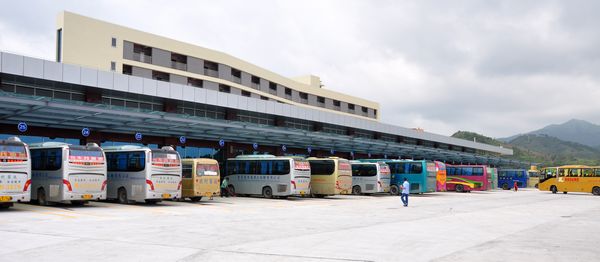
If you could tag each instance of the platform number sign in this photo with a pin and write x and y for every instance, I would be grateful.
(369, 155)
(85, 132)
(22, 127)
(221, 143)
(182, 139)
(332, 151)
(283, 148)
(352, 153)
(309, 149)
(385, 156)
(138, 136)
(255, 146)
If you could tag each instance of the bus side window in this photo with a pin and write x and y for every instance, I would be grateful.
(415, 168)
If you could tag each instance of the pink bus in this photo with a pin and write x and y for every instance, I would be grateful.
(467, 178)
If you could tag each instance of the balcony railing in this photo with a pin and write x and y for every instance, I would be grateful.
(237, 79)
(210, 72)
(140, 57)
(178, 65)
(255, 85)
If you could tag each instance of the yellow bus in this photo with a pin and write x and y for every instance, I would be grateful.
(330, 176)
(534, 177)
(571, 178)
(200, 178)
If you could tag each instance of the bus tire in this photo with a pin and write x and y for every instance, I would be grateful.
(596, 191)
(231, 190)
(195, 199)
(356, 190)
(267, 192)
(553, 189)
(394, 190)
(41, 197)
(122, 196)
(505, 186)
(460, 188)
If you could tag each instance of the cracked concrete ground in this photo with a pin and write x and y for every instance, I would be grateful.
(479, 226)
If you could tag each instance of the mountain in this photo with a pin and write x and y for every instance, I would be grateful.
(543, 149)
(574, 130)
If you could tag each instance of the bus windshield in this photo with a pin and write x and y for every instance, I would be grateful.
(165, 158)
(364, 170)
(207, 170)
(322, 167)
(13, 152)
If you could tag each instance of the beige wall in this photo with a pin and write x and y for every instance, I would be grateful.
(87, 42)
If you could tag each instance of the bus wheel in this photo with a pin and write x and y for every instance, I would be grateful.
(267, 192)
(356, 190)
(505, 186)
(195, 199)
(460, 188)
(41, 196)
(394, 190)
(122, 196)
(553, 189)
(596, 190)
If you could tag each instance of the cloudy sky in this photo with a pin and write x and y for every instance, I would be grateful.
(494, 67)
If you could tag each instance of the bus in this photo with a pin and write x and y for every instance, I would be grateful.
(508, 177)
(533, 177)
(467, 178)
(15, 172)
(268, 175)
(63, 173)
(494, 176)
(201, 178)
(570, 178)
(330, 176)
(440, 168)
(140, 174)
(421, 174)
(369, 178)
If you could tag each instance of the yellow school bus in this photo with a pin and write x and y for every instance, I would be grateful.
(330, 176)
(571, 178)
(534, 177)
(201, 178)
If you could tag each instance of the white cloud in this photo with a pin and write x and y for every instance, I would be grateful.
(497, 68)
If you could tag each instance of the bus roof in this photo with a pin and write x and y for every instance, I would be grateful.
(326, 158)
(200, 160)
(258, 157)
(49, 145)
(13, 140)
(574, 166)
(125, 148)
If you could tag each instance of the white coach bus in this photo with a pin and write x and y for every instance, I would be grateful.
(15, 172)
(369, 178)
(141, 174)
(268, 175)
(65, 173)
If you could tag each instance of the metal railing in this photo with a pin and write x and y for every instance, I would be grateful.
(236, 79)
(179, 65)
(210, 72)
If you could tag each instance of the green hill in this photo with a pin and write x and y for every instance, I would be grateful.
(543, 149)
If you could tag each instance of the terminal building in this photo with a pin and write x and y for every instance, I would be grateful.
(115, 85)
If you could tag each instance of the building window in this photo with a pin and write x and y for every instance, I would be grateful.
(350, 106)
(211, 69)
(59, 45)
(113, 66)
(179, 61)
(336, 103)
(264, 98)
(375, 112)
(113, 42)
(320, 100)
(288, 91)
(365, 109)
(255, 80)
(127, 70)
(160, 76)
(195, 82)
(273, 87)
(142, 53)
(246, 93)
(224, 88)
(237, 75)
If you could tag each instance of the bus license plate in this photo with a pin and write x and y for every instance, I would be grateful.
(166, 195)
(5, 198)
(86, 196)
